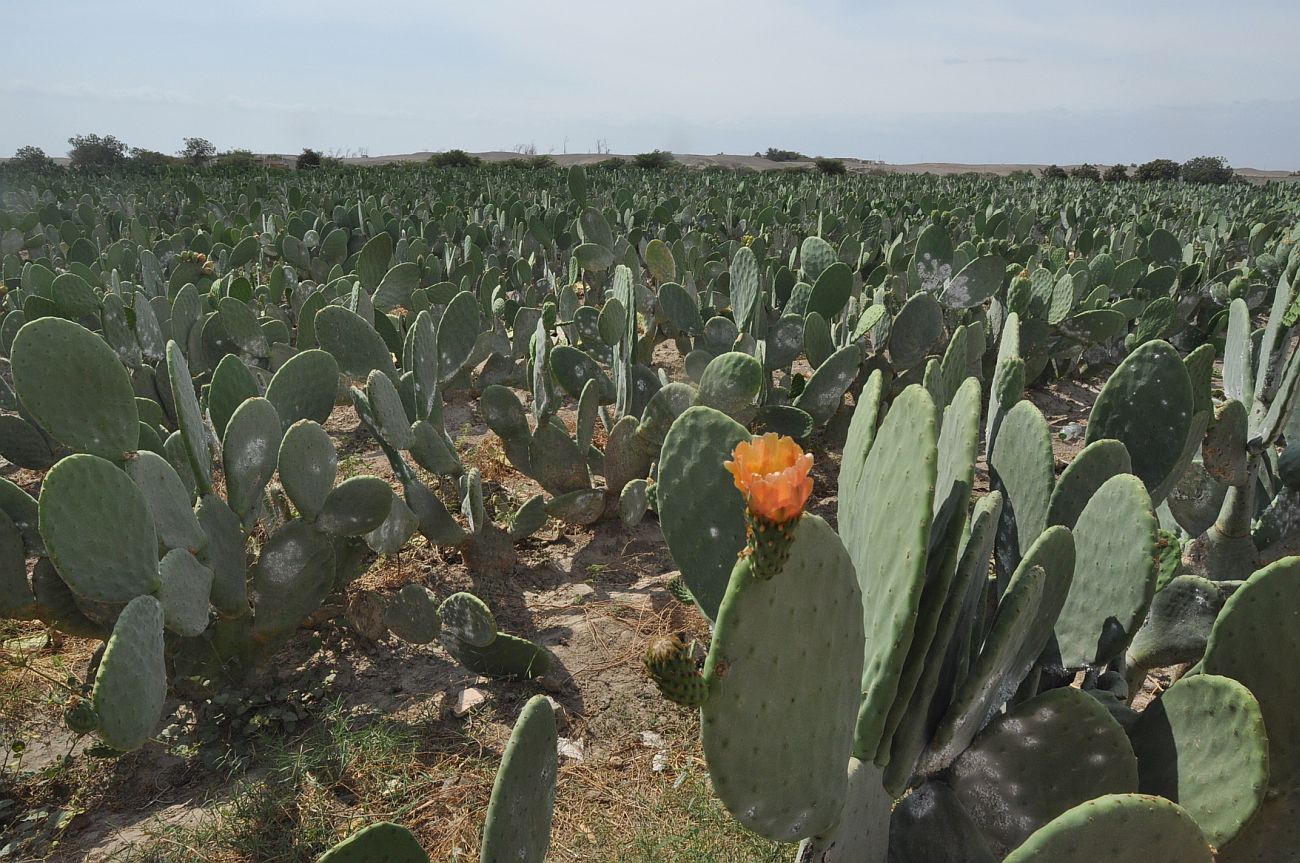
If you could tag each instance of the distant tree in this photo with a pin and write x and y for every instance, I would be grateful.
(540, 161)
(93, 151)
(151, 158)
(1054, 172)
(774, 154)
(32, 158)
(237, 159)
(1086, 172)
(1117, 173)
(308, 159)
(655, 160)
(1211, 170)
(198, 151)
(454, 159)
(1157, 169)
(832, 167)
(1020, 174)
(611, 164)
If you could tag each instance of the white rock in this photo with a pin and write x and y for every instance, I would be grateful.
(652, 740)
(467, 700)
(571, 749)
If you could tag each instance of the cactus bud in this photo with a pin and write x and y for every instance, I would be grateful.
(670, 665)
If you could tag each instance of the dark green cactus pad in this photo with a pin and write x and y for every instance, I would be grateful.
(24, 511)
(573, 368)
(885, 524)
(518, 824)
(185, 587)
(412, 615)
(732, 383)
(74, 386)
(355, 345)
(468, 620)
(98, 530)
(1087, 472)
(529, 518)
(862, 833)
(1271, 836)
(232, 384)
(377, 843)
(783, 650)
(1038, 760)
(168, 500)
(1114, 574)
(555, 461)
(308, 465)
(995, 673)
(785, 420)
(700, 509)
(671, 666)
(457, 332)
(57, 606)
(664, 407)
(1191, 447)
(1200, 371)
(1178, 625)
(398, 526)
(933, 691)
(1255, 640)
(831, 291)
(355, 506)
(305, 387)
(1146, 404)
(436, 522)
(292, 576)
(224, 555)
(634, 502)
(248, 455)
(508, 657)
(916, 329)
(391, 422)
(822, 395)
(16, 598)
(23, 444)
(931, 826)
(240, 323)
(189, 418)
(1117, 828)
(131, 684)
(958, 441)
(1202, 744)
(1024, 470)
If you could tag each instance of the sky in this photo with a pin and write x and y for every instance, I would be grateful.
(1002, 81)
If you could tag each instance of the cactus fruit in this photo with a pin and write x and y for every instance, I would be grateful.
(673, 669)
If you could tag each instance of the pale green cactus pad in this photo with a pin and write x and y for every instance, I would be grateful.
(131, 684)
(518, 824)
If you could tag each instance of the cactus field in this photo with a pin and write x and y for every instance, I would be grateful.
(408, 513)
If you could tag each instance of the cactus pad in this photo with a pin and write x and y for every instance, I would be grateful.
(383, 842)
(468, 620)
(168, 501)
(1147, 405)
(862, 833)
(74, 386)
(412, 615)
(1202, 744)
(185, 587)
(784, 650)
(700, 509)
(1087, 472)
(355, 506)
(308, 465)
(1117, 828)
(1039, 759)
(1255, 640)
(248, 454)
(131, 683)
(98, 530)
(518, 824)
(305, 387)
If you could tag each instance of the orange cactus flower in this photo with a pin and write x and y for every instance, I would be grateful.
(772, 474)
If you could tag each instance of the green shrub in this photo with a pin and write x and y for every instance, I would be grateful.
(1116, 173)
(151, 158)
(1086, 172)
(775, 155)
(833, 167)
(198, 151)
(308, 159)
(611, 164)
(656, 160)
(1157, 169)
(1054, 172)
(237, 159)
(1207, 170)
(93, 151)
(31, 158)
(454, 159)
